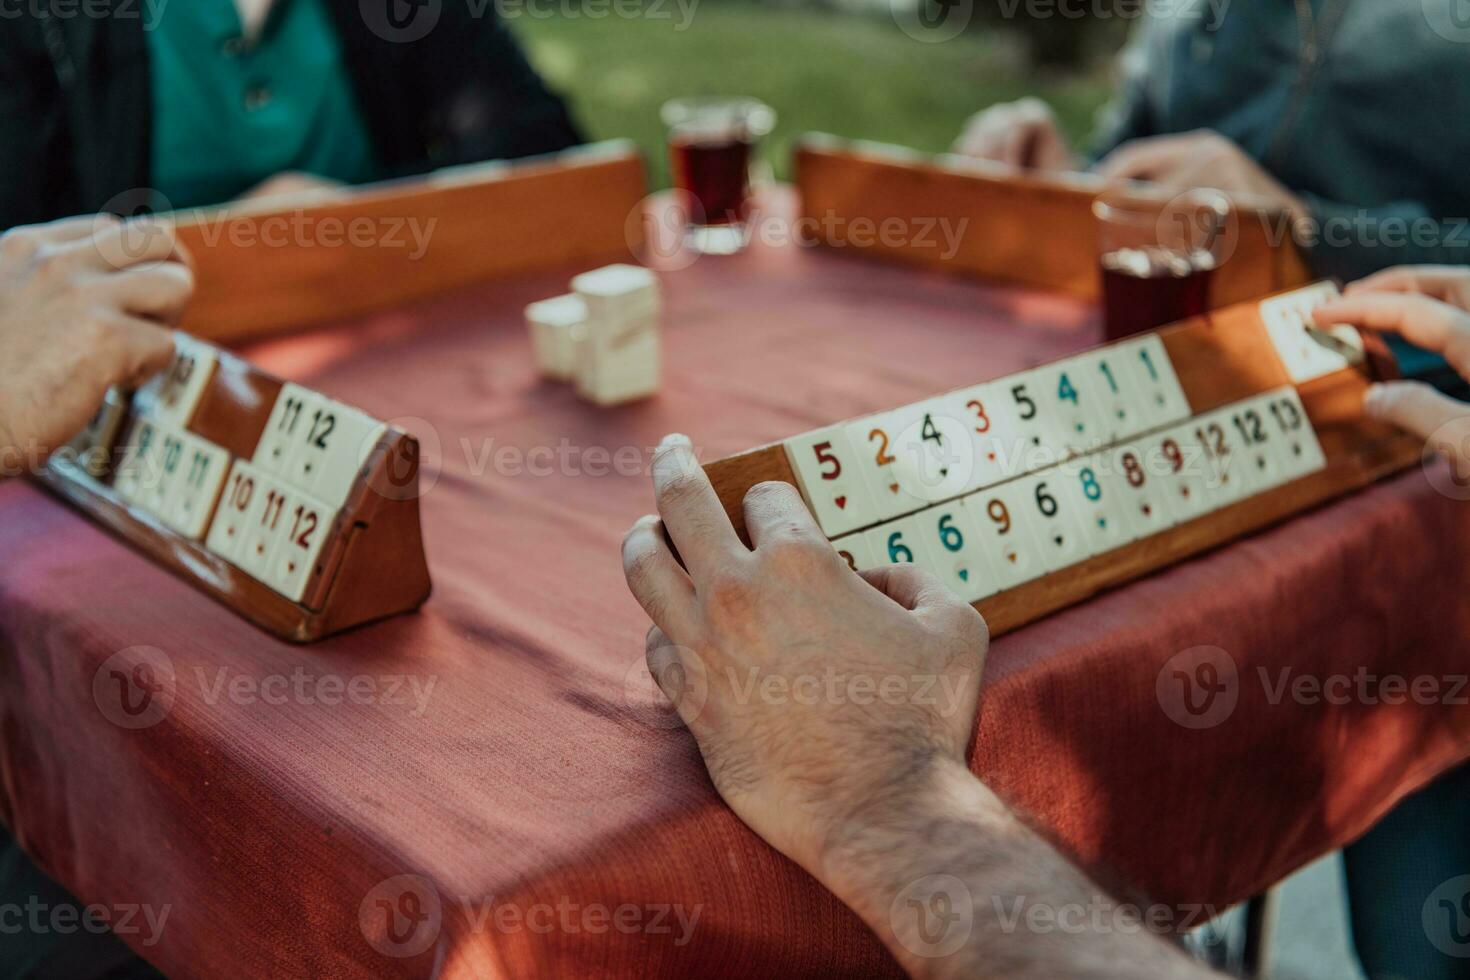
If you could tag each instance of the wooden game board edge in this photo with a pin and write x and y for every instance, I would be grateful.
(252, 599)
(1015, 201)
(249, 288)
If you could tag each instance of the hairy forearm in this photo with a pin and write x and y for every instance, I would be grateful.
(956, 886)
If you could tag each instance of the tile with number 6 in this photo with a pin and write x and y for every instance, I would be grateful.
(899, 542)
(955, 552)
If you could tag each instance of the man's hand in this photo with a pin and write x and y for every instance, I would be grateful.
(81, 303)
(1446, 283)
(1432, 324)
(834, 712)
(820, 694)
(1022, 134)
(1202, 158)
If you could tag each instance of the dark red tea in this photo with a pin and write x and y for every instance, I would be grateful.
(716, 174)
(1148, 287)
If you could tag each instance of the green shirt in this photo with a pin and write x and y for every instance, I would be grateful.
(229, 112)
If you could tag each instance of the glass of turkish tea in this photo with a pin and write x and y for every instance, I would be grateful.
(1158, 258)
(712, 143)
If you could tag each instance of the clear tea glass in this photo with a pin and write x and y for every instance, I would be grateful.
(1158, 259)
(712, 145)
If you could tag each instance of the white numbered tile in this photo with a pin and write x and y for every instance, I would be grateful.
(826, 467)
(1159, 398)
(166, 482)
(1260, 461)
(338, 441)
(1004, 529)
(1136, 475)
(1286, 318)
(935, 454)
(1298, 449)
(1118, 398)
(1084, 488)
(1036, 420)
(990, 427)
(1187, 472)
(285, 432)
(857, 552)
(172, 397)
(1075, 404)
(137, 460)
(204, 468)
(1055, 520)
(306, 524)
(1227, 479)
(955, 553)
(228, 531)
(872, 443)
(265, 526)
(899, 542)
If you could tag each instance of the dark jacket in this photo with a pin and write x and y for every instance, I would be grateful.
(76, 102)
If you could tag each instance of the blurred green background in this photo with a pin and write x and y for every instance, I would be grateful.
(855, 74)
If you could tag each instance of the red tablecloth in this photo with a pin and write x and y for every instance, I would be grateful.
(547, 819)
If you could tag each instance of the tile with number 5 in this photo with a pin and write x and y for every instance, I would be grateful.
(826, 467)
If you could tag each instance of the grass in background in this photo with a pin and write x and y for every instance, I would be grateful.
(855, 75)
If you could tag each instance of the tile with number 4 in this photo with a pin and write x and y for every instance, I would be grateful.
(1076, 407)
(935, 454)
(826, 468)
